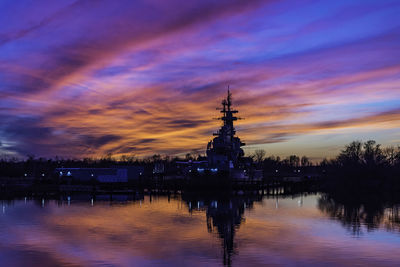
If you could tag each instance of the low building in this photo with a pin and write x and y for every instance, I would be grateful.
(117, 174)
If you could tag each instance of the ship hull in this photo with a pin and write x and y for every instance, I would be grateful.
(207, 181)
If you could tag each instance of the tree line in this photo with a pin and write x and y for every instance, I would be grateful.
(367, 156)
(355, 154)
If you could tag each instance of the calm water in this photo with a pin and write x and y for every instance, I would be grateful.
(196, 231)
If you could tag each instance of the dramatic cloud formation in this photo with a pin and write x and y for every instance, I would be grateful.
(87, 78)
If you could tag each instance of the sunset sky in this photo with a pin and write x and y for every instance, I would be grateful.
(87, 78)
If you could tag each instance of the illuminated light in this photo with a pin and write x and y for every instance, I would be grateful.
(25, 174)
(299, 203)
(61, 173)
(276, 170)
(92, 175)
(200, 169)
(69, 173)
(298, 170)
(42, 174)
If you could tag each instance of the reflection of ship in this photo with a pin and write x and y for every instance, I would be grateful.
(224, 216)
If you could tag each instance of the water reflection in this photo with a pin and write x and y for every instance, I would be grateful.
(363, 211)
(224, 216)
(189, 229)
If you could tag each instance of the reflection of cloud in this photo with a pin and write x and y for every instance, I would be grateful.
(137, 235)
(163, 231)
(147, 77)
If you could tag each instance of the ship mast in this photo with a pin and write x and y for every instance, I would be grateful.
(228, 118)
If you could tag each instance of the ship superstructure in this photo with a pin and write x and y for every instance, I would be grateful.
(224, 152)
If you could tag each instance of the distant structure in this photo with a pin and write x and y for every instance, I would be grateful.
(118, 174)
(224, 151)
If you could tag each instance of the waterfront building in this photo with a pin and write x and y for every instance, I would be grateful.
(118, 174)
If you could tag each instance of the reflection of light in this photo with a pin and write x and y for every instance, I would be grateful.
(69, 200)
(214, 204)
(42, 202)
(91, 201)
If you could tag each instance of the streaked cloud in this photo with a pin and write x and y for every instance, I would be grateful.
(82, 78)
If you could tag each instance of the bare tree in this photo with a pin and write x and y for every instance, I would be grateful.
(373, 154)
(352, 154)
(294, 161)
(305, 161)
(259, 155)
(390, 154)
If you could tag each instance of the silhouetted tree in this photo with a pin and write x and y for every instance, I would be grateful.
(294, 161)
(188, 156)
(373, 154)
(390, 154)
(259, 155)
(305, 162)
(351, 155)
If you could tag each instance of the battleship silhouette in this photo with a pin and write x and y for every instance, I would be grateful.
(224, 152)
(225, 158)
